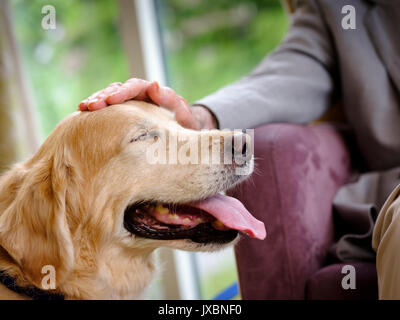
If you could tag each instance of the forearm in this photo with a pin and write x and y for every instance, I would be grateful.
(273, 97)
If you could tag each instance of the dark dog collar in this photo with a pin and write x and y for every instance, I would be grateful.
(32, 292)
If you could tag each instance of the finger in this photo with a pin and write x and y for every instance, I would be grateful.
(167, 98)
(99, 95)
(185, 117)
(119, 96)
(109, 91)
(164, 96)
(127, 91)
(96, 105)
(91, 100)
(83, 105)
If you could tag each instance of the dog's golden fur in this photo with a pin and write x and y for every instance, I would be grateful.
(65, 206)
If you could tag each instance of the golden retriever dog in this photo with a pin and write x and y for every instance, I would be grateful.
(91, 206)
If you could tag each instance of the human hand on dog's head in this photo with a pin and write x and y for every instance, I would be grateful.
(197, 117)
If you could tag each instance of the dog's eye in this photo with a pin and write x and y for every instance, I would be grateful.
(140, 137)
(146, 135)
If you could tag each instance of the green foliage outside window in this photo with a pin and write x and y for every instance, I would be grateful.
(82, 55)
(211, 43)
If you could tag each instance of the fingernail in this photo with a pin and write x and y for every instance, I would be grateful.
(82, 106)
(157, 85)
(92, 102)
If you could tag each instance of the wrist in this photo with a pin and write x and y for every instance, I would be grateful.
(205, 117)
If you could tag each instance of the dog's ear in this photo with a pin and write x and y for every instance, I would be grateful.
(33, 228)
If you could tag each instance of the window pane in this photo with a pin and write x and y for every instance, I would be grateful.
(82, 55)
(209, 44)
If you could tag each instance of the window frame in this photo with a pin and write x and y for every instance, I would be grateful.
(141, 38)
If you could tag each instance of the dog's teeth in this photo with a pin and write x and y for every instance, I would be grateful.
(186, 220)
(161, 209)
(173, 216)
(218, 224)
(199, 219)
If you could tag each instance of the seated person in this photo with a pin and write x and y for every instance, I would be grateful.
(318, 63)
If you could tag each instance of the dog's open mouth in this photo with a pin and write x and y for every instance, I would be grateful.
(215, 219)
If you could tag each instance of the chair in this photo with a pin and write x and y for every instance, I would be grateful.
(298, 171)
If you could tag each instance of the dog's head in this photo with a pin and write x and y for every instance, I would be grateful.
(118, 182)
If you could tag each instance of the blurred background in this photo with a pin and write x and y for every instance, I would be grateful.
(200, 46)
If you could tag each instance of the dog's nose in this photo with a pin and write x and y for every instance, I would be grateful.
(240, 146)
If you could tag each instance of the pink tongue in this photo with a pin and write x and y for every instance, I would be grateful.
(232, 213)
